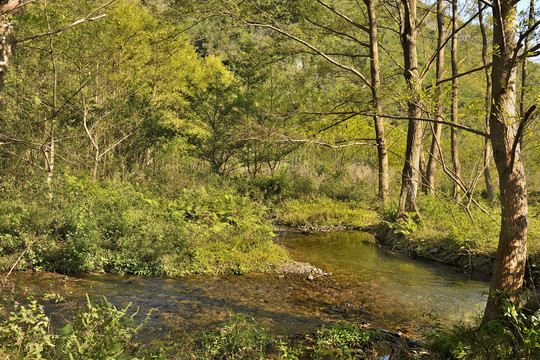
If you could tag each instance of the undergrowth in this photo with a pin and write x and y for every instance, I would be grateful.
(101, 331)
(124, 228)
(514, 336)
(323, 212)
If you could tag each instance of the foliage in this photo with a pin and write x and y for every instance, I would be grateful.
(452, 236)
(25, 332)
(238, 339)
(99, 332)
(124, 228)
(322, 212)
(513, 336)
(342, 341)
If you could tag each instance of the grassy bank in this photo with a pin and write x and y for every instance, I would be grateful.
(324, 213)
(125, 228)
(467, 240)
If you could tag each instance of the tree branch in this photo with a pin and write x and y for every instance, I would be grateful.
(88, 18)
(519, 134)
(344, 17)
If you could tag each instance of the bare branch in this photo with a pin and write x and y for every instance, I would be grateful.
(12, 5)
(343, 16)
(519, 133)
(88, 18)
(460, 75)
(449, 37)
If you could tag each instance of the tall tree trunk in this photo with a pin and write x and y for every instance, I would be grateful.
(52, 147)
(524, 64)
(382, 150)
(455, 95)
(409, 175)
(7, 34)
(509, 267)
(436, 127)
(487, 102)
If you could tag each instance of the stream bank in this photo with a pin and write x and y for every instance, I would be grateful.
(392, 298)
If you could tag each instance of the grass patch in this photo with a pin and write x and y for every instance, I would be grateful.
(240, 338)
(324, 212)
(454, 238)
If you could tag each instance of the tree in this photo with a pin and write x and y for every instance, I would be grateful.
(436, 127)
(8, 9)
(382, 148)
(321, 20)
(487, 101)
(455, 97)
(410, 172)
(506, 132)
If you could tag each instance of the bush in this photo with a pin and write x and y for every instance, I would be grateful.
(342, 339)
(514, 336)
(238, 339)
(99, 332)
(129, 228)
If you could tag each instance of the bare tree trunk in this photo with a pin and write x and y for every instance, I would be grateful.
(7, 34)
(52, 147)
(487, 145)
(382, 150)
(429, 183)
(455, 95)
(96, 167)
(409, 175)
(509, 267)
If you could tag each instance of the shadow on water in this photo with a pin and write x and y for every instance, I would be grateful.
(368, 285)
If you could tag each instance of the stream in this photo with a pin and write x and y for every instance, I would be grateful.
(368, 285)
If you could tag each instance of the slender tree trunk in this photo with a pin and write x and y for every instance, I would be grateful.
(96, 167)
(7, 35)
(509, 267)
(52, 147)
(382, 150)
(487, 102)
(455, 96)
(436, 128)
(524, 64)
(409, 175)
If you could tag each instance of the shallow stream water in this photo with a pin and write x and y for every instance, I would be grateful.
(418, 285)
(368, 285)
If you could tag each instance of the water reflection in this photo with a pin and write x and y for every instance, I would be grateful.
(420, 285)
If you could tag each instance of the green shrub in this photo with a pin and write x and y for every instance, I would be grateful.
(99, 332)
(514, 336)
(342, 341)
(130, 228)
(238, 339)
